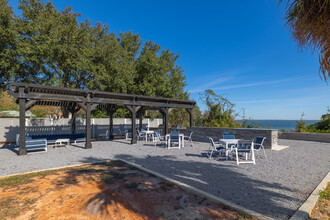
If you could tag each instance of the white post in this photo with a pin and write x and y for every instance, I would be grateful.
(52, 126)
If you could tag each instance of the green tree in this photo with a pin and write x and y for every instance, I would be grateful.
(309, 21)
(7, 103)
(220, 111)
(8, 45)
(301, 124)
(322, 126)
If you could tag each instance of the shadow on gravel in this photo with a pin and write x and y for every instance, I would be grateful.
(222, 181)
(11, 147)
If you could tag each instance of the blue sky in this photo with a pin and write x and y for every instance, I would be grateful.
(240, 49)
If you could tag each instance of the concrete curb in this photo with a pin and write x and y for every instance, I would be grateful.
(307, 207)
(200, 192)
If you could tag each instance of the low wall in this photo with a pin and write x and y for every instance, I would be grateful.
(9, 127)
(305, 136)
(202, 134)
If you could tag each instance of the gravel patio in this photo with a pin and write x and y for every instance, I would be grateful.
(275, 187)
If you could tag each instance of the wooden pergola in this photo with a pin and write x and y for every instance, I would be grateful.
(29, 95)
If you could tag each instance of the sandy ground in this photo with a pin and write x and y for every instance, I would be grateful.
(104, 191)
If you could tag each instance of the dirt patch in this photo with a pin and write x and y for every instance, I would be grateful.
(110, 190)
(322, 207)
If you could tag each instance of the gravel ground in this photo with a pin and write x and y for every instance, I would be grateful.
(275, 187)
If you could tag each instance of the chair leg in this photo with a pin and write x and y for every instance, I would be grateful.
(264, 152)
(192, 144)
(253, 158)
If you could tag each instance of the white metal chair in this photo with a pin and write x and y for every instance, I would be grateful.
(244, 147)
(213, 148)
(173, 140)
(190, 139)
(258, 145)
(159, 139)
(127, 134)
(140, 135)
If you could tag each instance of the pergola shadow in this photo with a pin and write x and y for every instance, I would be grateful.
(259, 196)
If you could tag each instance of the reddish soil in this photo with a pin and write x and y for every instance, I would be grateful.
(103, 191)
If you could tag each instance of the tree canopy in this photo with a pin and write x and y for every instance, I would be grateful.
(51, 47)
(309, 21)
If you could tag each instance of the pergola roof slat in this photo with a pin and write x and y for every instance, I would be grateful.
(68, 95)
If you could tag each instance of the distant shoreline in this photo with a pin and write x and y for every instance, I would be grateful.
(279, 124)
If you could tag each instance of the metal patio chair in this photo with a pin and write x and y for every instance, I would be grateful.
(244, 147)
(258, 145)
(190, 139)
(213, 148)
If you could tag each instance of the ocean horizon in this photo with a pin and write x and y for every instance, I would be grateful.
(279, 124)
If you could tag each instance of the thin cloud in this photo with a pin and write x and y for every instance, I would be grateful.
(300, 99)
(214, 79)
(257, 83)
(208, 85)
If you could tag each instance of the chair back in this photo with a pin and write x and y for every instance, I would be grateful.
(226, 133)
(190, 135)
(157, 135)
(174, 137)
(211, 142)
(174, 132)
(228, 136)
(244, 144)
(260, 140)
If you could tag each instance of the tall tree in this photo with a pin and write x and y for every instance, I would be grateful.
(220, 111)
(8, 45)
(309, 21)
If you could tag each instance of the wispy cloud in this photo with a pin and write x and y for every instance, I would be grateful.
(258, 83)
(287, 100)
(218, 78)
(210, 84)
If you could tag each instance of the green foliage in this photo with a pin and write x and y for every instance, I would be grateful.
(325, 194)
(99, 113)
(322, 126)
(220, 111)
(52, 47)
(309, 22)
(246, 123)
(8, 45)
(301, 125)
(7, 103)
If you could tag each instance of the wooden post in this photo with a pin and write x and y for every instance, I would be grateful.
(165, 112)
(133, 109)
(88, 144)
(190, 111)
(22, 146)
(73, 124)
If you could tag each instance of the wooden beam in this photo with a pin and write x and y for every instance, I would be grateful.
(82, 99)
(30, 104)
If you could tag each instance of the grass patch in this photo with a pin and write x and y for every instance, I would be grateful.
(10, 208)
(322, 207)
(24, 178)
